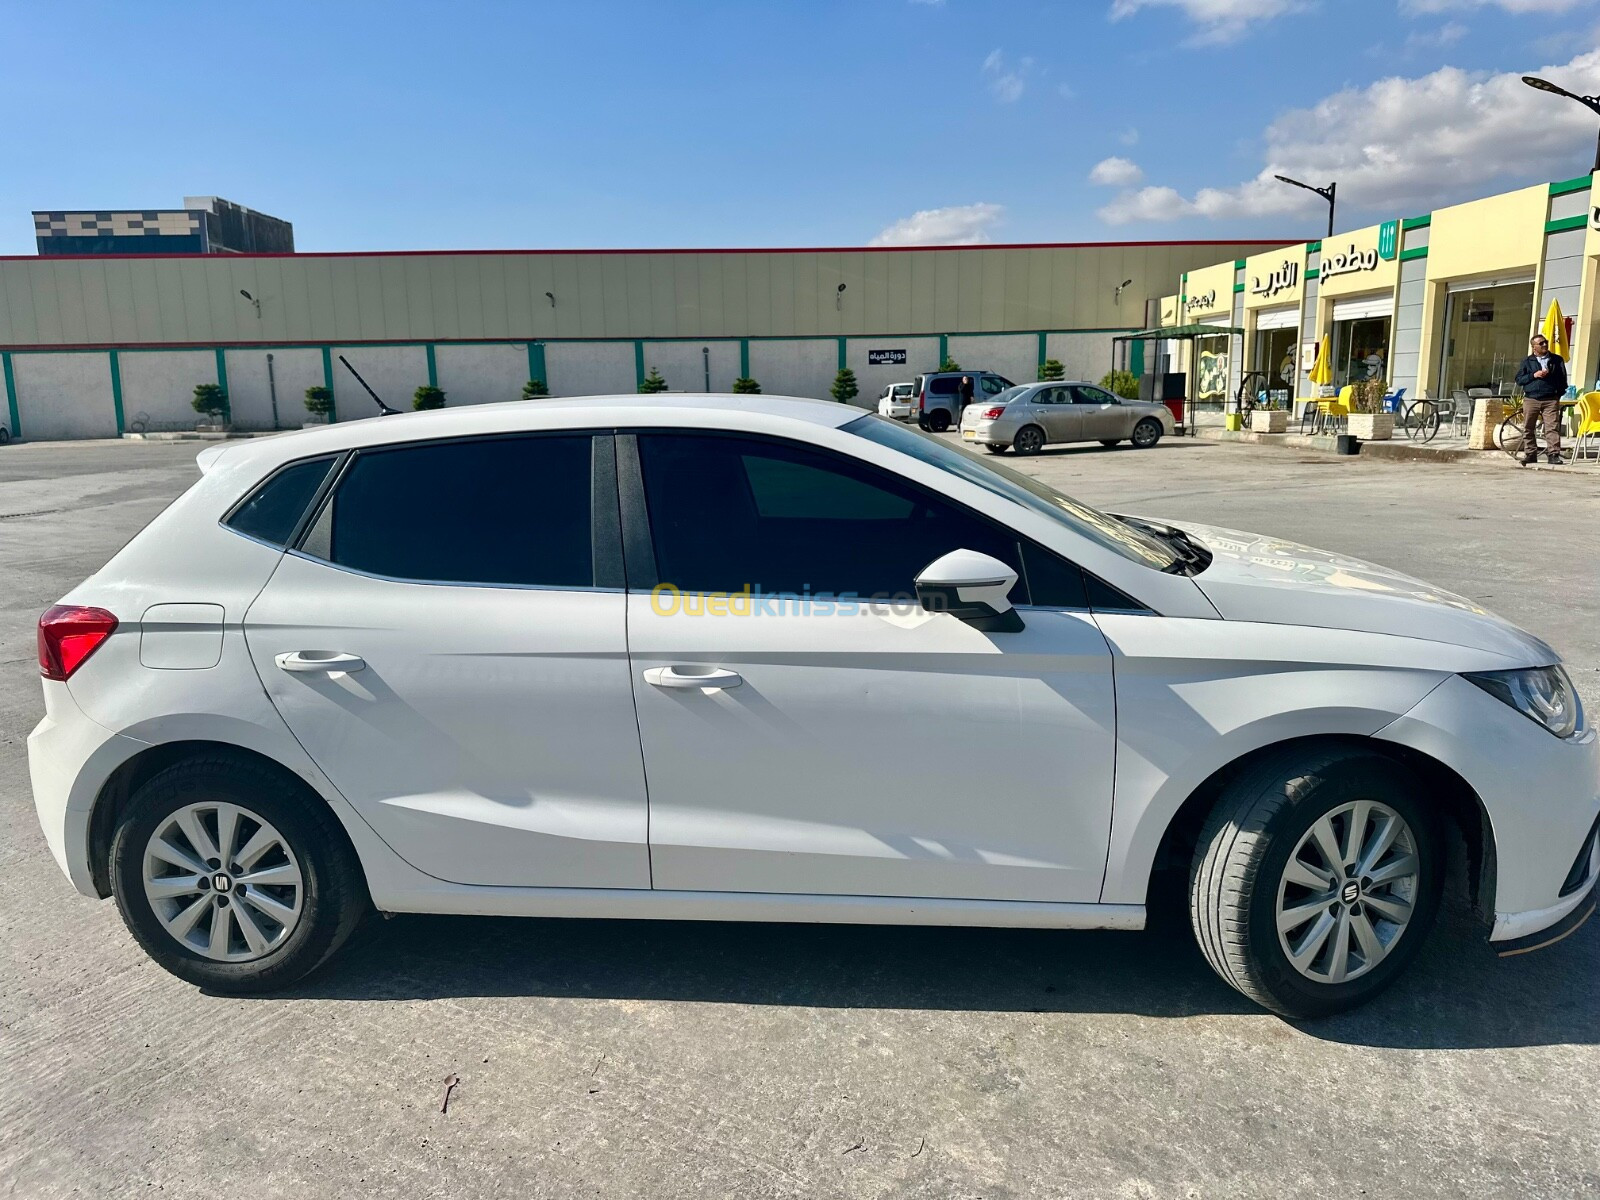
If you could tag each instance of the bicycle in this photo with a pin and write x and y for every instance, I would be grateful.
(1251, 384)
(1421, 419)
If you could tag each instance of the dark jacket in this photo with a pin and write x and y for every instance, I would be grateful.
(1552, 387)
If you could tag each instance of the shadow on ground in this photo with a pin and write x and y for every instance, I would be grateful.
(1458, 995)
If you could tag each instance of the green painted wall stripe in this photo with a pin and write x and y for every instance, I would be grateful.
(433, 366)
(1417, 222)
(536, 367)
(327, 382)
(1314, 273)
(944, 347)
(1238, 264)
(11, 395)
(638, 363)
(222, 370)
(1136, 359)
(1042, 354)
(1313, 246)
(1238, 287)
(1580, 184)
(744, 358)
(116, 392)
(842, 363)
(1414, 252)
(1566, 223)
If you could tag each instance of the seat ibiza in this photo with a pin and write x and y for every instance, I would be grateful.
(746, 658)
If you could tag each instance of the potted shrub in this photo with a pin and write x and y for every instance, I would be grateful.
(1269, 420)
(1051, 369)
(653, 383)
(427, 396)
(211, 402)
(745, 386)
(844, 387)
(1121, 383)
(949, 364)
(1367, 419)
(534, 389)
(319, 405)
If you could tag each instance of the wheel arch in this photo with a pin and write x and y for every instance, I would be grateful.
(1457, 802)
(134, 772)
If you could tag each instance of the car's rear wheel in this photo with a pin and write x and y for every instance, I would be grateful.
(1146, 433)
(993, 449)
(234, 878)
(938, 420)
(1028, 440)
(1108, 443)
(1316, 879)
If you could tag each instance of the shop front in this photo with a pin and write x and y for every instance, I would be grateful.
(1274, 290)
(1208, 300)
(1358, 272)
(1486, 328)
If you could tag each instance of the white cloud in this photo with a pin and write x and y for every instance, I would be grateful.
(1129, 137)
(1401, 145)
(960, 225)
(1005, 81)
(929, 3)
(1218, 20)
(1116, 172)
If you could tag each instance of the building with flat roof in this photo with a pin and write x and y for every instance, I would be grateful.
(96, 345)
(204, 225)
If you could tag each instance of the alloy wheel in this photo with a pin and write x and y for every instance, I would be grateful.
(223, 882)
(1348, 892)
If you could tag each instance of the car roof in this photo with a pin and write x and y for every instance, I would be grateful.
(759, 413)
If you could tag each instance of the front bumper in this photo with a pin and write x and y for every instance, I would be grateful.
(1541, 795)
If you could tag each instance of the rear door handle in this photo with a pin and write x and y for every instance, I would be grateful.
(326, 662)
(709, 678)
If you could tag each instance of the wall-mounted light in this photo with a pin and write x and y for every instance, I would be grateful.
(253, 301)
(551, 296)
(838, 296)
(1116, 297)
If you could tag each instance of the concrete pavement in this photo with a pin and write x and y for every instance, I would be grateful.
(634, 1058)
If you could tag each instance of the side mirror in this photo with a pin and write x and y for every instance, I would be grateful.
(971, 587)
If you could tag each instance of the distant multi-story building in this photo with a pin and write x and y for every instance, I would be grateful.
(204, 225)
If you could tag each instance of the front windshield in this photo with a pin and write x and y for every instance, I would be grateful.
(1099, 528)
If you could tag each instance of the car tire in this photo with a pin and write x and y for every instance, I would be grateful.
(1265, 835)
(938, 421)
(1028, 440)
(993, 449)
(328, 894)
(5, 435)
(1110, 443)
(1146, 433)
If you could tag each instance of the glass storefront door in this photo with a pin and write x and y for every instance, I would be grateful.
(1275, 359)
(1360, 349)
(1486, 331)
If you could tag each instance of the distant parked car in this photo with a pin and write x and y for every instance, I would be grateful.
(938, 395)
(896, 400)
(1029, 418)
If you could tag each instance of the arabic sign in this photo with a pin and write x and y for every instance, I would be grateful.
(884, 358)
(1204, 302)
(1279, 279)
(1348, 261)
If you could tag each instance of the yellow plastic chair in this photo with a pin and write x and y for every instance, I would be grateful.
(1586, 424)
(1333, 412)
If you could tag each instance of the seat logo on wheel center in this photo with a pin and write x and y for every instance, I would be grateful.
(1351, 892)
(222, 881)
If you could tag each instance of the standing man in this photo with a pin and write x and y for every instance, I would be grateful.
(1543, 379)
(966, 392)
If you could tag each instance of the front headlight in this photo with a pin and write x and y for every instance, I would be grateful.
(1542, 694)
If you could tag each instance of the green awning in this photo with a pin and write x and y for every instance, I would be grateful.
(1177, 333)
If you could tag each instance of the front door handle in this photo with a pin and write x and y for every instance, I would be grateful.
(707, 678)
(326, 662)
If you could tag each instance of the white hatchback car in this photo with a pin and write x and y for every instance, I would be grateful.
(697, 658)
(896, 400)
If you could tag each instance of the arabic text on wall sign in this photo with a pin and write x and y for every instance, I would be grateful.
(1285, 277)
(1349, 261)
(1204, 302)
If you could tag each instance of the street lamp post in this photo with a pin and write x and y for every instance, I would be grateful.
(1326, 193)
(1592, 103)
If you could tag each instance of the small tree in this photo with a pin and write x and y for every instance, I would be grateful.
(1051, 369)
(1121, 383)
(745, 386)
(427, 396)
(949, 364)
(844, 387)
(210, 401)
(319, 401)
(533, 389)
(653, 383)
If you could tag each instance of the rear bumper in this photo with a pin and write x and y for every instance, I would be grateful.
(69, 759)
(985, 434)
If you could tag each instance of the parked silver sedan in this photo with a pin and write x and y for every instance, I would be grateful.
(1029, 418)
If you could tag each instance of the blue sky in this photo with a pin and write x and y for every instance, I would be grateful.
(421, 126)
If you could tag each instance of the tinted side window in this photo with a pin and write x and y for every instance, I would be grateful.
(1053, 582)
(726, 512)
(273, 510)
(510, 511)
(948, 386)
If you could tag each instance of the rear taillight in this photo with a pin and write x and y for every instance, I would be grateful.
(68, 635)
(995, 413)
(922, 401)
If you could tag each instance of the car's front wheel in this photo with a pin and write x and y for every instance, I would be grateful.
(1110, 443)
(994, 449)
(1146, 433)
(1316, 879)
(232, 877)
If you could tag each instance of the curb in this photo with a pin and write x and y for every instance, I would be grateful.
(1326, 444)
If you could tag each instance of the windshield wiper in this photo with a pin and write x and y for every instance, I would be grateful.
(1192, 556)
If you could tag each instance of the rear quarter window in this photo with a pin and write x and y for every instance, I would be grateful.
(273, 510)
(944, 387)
